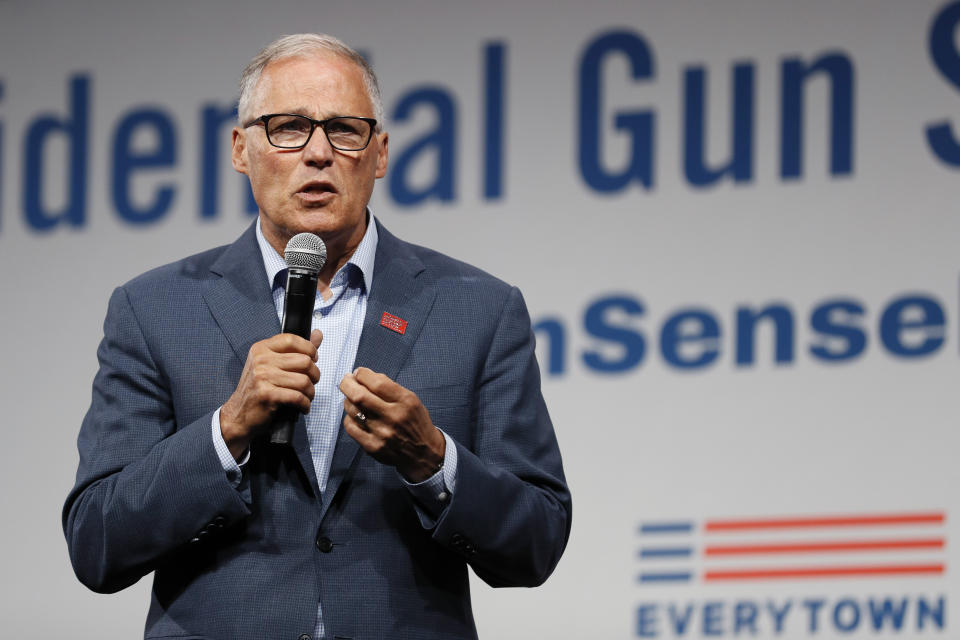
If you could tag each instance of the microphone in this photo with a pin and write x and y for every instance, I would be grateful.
(305, 255)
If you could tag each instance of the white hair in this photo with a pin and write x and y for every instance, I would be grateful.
(301, 44)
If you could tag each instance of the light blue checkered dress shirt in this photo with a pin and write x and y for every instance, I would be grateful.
(341, 320)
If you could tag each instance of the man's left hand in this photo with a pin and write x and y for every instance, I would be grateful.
(391, 424)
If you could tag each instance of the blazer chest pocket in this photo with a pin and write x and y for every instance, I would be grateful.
(449, 406)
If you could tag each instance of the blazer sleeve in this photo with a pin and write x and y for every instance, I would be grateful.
(510, 515)
(146, 486)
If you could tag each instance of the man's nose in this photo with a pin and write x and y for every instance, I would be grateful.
(318, 150)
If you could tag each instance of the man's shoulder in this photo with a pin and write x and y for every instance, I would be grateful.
(450, 267)
(192, 268)
(447, 270)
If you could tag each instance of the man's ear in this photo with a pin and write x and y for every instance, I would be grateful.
(239, 151)
(382, 154)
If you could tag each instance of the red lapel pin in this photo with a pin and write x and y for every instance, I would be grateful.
(393, 323)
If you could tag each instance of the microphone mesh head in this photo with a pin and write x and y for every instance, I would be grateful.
(305, 251)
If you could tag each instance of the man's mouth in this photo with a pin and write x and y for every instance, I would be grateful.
(316, 192)
(317, 188)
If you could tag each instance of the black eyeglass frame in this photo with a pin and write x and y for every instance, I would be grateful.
(264, 119)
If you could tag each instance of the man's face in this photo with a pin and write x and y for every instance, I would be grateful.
(318, 188)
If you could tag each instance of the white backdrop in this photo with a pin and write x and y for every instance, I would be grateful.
(858, 257)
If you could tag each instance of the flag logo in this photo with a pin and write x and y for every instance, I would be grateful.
(725, 550)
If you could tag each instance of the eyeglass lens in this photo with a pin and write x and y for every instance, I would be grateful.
(291, 131)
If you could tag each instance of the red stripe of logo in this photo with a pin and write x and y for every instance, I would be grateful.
(823, 572)
(717, 526)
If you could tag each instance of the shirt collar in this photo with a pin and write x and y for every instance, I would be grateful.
(362, 258)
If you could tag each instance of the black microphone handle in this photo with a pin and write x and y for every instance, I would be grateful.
(301, 292)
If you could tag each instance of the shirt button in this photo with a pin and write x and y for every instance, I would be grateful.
(304, 636)
(324, 544)
(443, 496)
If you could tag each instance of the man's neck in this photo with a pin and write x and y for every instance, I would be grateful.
(339, 251)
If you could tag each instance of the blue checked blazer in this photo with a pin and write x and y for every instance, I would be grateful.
(252, 563)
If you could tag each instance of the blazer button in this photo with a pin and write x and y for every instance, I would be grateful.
(324, 544)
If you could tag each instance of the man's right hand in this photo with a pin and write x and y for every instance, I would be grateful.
(279, 371)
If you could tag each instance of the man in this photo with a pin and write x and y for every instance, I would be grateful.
(424, 444)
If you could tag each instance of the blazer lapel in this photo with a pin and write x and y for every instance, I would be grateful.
(400, 289)
(241, 301)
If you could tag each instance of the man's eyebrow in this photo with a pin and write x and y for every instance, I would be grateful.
(301, 110)
(308, 111)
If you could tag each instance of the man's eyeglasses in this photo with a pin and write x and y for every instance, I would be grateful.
(293, 131)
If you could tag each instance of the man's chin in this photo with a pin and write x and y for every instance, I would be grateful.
(326, 222)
